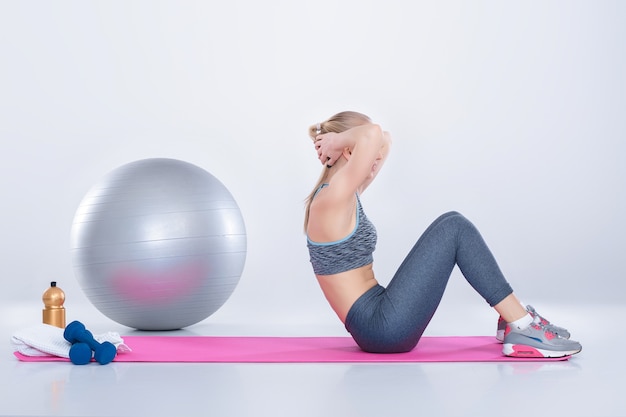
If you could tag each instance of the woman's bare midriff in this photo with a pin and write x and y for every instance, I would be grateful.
(343, 289)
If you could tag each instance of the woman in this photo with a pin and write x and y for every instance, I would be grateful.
(341, 241)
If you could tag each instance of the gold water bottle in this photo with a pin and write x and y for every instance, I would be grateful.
(54, 312)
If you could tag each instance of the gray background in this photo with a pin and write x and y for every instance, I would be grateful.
(512, 113)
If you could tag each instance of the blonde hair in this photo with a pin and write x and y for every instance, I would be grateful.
(340, 122)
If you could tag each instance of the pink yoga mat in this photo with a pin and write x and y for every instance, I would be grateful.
(299, 349)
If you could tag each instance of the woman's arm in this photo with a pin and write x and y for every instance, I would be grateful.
(357, 154)
(330, 146)
(379, 163)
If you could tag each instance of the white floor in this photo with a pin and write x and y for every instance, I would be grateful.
(590, 384)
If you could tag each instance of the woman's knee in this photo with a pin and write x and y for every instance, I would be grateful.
(449, 214)
(454, 218)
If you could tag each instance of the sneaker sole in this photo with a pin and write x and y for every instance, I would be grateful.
(525, 351)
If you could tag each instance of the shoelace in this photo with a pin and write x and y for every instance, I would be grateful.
(544, 322)
(539, 321)
(534, 313)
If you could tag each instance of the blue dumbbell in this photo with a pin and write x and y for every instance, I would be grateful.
(81, 338)
(80, 353)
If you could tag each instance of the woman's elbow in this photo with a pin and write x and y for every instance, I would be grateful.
(375, 132)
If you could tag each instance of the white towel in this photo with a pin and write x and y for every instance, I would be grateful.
(45, 340)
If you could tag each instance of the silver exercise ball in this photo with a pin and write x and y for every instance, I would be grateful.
(158, 244)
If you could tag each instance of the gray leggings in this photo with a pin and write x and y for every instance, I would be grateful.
(392, 319)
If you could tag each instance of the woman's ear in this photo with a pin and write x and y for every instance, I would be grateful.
(346, 153)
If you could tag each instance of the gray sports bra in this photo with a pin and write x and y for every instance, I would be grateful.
(351, 252)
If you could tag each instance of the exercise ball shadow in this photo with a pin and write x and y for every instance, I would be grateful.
(158, 244)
